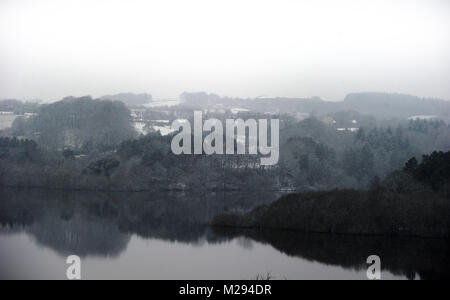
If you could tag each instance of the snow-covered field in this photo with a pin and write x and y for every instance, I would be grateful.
(423, 117)
(163, 103)
(236, 111)
(140, 127)
(6, 121)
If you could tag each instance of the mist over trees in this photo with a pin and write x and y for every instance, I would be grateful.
(18, 107)
(79, 124)
(381, 106)
(130, 99)
(91, 144)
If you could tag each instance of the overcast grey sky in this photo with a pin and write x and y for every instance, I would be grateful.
(247, 48)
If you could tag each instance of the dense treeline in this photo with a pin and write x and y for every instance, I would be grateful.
(150, 160)
(380, 212)
(433, 170)
(90, 144)
(314, 156)
(80, 124)
(18, 150)
(382, 106)
(419, 208)
(18, 107)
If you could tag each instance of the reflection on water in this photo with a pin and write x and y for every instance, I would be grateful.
(164, 236)
(409, 257)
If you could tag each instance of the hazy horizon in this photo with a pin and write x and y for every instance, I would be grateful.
(51, 49)
(156, 98)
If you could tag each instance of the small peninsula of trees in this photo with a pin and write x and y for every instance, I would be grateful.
(421, 208)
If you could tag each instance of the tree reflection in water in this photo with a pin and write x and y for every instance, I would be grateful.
(101, 224)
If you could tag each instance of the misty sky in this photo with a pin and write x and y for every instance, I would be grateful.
(53, 48)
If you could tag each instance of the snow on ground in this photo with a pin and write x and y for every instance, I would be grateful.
(423, 117)
(164, 130)
(163, 103)
(6, 120)
(140, 127)
(235, 111)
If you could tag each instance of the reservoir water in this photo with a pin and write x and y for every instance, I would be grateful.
(165, 236)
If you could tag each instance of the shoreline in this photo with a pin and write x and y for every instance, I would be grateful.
(143, 190)
(244, 231)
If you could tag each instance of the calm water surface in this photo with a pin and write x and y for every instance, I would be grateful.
(163, 236)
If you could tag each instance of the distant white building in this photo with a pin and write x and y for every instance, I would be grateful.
(6, 113)
(423, 117)
(351, 129)
(236, 111)
(29, 115)
(301, 116)
(138, 113)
